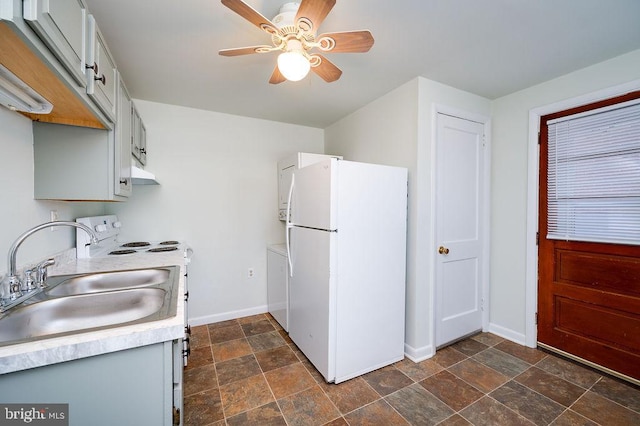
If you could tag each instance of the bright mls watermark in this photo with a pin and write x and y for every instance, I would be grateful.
(34, 414)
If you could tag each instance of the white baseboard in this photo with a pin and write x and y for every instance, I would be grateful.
(210, 319)
(507, 333)
(414, 354)
(418, 354)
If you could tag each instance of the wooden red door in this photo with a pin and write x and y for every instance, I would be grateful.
(588, 292)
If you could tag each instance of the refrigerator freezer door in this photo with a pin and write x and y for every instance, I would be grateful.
(311, 297)
(314, 196)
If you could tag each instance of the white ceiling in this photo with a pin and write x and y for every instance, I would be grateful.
(167, 50)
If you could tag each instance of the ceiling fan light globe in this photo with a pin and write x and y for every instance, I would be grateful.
(293, 65)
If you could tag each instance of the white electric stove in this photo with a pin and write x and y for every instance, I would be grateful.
(107, 229)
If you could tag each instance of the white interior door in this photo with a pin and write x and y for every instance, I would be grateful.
(459, 209)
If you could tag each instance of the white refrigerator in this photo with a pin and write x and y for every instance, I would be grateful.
(346, 241)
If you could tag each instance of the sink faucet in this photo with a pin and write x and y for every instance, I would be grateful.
(15, 285)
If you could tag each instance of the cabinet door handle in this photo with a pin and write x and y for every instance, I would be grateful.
(103, 79)
(93, 67)
(124, 182)
(143, 151)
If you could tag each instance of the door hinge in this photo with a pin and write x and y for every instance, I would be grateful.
(482, 304)
(536, 318)
(538, 138)
(537, 238)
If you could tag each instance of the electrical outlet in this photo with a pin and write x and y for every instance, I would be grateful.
(251, 273)
(54, 217)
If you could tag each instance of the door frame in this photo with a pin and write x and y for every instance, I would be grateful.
(531, 265)
(486, 223)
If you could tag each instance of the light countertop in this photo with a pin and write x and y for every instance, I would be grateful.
(38, 353)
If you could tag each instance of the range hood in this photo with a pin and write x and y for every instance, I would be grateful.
(142, 177)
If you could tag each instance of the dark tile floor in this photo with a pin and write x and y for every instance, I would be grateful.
(248, 372)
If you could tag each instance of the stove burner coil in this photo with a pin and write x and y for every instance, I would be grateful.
(169, 243)
(160, 249)
(118, 252)
(137, 244)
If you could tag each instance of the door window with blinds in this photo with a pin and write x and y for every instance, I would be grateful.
(593, 179)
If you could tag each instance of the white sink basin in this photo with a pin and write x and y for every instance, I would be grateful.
(108, 281)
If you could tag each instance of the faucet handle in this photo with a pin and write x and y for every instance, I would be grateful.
(41, 277)
(15, 286)
(28, 284)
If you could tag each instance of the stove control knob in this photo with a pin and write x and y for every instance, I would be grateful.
(117, 224)
(101, 228)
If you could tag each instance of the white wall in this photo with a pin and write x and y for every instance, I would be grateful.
(396, 129)
(19, 211)
(510, 162)
(218, 192)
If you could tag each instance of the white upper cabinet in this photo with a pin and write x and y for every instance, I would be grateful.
(139, 145)
(61, 24)
(124, 127)
(102, 84)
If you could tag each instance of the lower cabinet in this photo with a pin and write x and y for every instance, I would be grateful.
(139, 386)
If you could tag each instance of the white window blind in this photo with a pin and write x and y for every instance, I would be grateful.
(593, 176)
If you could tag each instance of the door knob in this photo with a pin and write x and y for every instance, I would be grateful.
(443, 250)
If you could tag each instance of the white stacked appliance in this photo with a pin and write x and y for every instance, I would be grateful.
(346, 241)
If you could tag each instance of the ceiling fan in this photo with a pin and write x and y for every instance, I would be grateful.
(294, 33)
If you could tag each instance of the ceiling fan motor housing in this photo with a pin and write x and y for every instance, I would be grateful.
(286, 15)
(289, 30)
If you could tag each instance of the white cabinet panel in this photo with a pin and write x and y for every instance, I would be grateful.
(124, 125)
(62, 26)
(75, 163)
(139, 147)
(102, 78)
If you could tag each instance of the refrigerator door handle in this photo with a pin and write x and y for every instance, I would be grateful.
(289, 225)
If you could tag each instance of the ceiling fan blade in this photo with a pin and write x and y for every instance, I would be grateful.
(326, 70)
(243, 50)
(251, 15)
(314, 11)
(277, 76)
(346, 42)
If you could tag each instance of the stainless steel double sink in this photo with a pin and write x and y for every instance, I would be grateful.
(82, 302)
